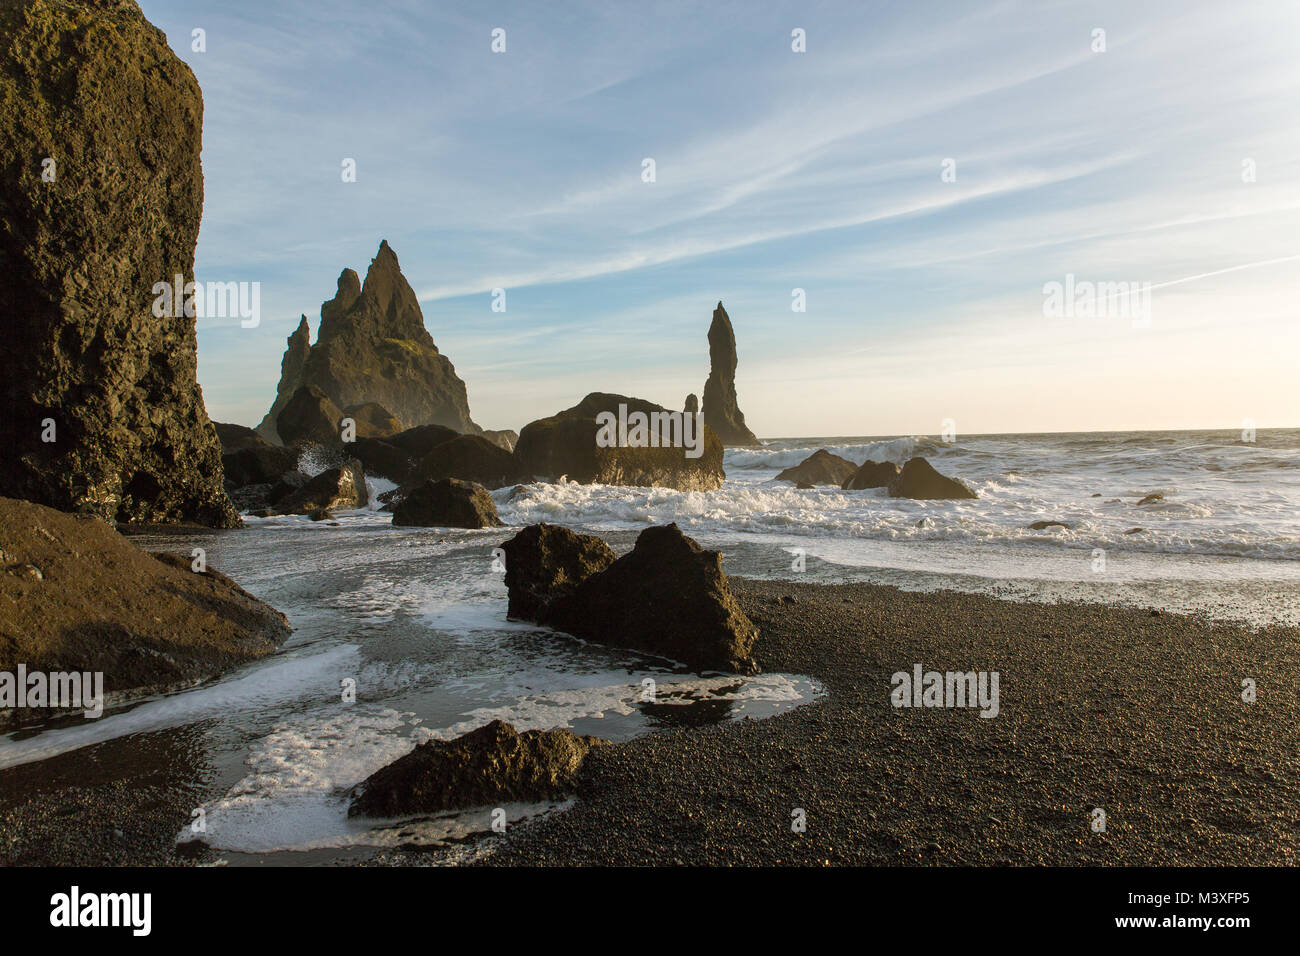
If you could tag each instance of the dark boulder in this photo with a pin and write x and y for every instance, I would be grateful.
(872, 474)
(98, 603)
(310, 416)
(237, 437)
(668, 596)
(334, 489)
(492, 765)
(918, 479)
(100, 202)
(820, 468)
(447, 503)
(721, 411)
(422, 439)
(382, 459)
(565, 445)
(1154, 498)
(545, 562)
(469, 458)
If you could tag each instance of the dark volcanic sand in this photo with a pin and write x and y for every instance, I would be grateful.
(1140, 715)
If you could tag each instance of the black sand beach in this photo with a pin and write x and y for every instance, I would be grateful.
(1128, 711)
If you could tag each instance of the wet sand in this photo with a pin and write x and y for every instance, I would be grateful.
(1139, 714)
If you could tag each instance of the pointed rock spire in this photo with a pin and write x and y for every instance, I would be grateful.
(721, 411)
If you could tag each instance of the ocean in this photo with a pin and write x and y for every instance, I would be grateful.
(413, 620)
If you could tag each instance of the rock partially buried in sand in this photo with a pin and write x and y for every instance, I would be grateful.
(820, 468)
(667, 596)
(565, 444)
(98, 603)
(448, 503)
(100, 202)
(919, 480)
(545, 563)
(491, 765)
(872, 474)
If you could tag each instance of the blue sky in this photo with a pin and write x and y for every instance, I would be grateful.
(775, 170)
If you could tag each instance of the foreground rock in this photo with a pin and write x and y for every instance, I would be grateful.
(721, 411)
(918, 479)
(668, 596)
(820, 468)
(492, 765)
(101, 131)
(565, 445)
(372, 346)
(545, 563)
(872, 474)
(77, 596)
(448, 503)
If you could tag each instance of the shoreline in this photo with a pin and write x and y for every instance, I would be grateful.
(1133, 711)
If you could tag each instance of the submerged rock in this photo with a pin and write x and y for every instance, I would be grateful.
(721, 411)
(668, 596)
(100, 202)
(918, 479)
(872, 474)
(447, 503)
(491, 765)
(1153, 498)
(820, 468)
(545, 562)
(98, 603)
(372, 346)
(565, 444)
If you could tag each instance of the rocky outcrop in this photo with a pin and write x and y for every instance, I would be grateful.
(820, 468)
(565, 445)
(470, 458)
(918, 479)
(721, 411)
(872, 474)
(546, 563)
(100, 200)
(249, 459)
(492, 765)
(77, 596)
(667, 596)
(372, 346)
(295, 357)
(334, 489)
(448, 503)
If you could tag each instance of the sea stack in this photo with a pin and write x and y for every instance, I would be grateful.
(372, 347)
(100, 204)
(721, 412)
(295, 357)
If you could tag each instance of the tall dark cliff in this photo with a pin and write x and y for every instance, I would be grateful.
(721, 411)
(373, 347)
(101, 192)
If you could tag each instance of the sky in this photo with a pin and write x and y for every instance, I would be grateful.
(922, 171)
